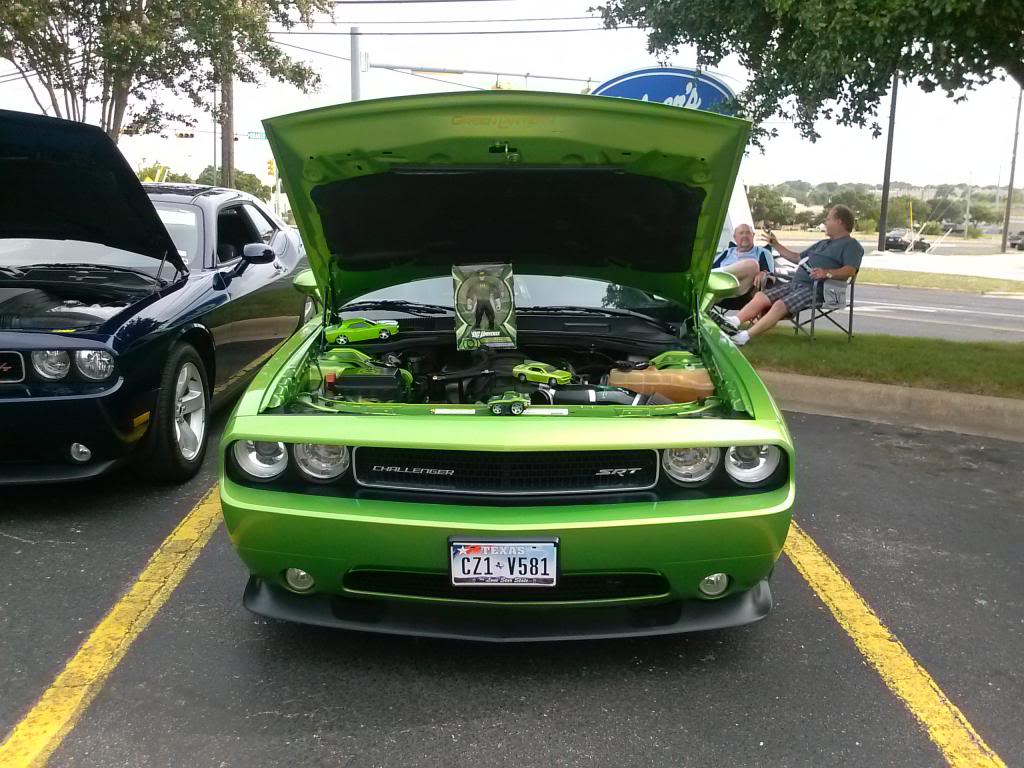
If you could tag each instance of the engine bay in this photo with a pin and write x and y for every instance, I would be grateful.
(342, 378)
(57, 307)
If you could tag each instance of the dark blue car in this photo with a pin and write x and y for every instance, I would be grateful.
(126, 314)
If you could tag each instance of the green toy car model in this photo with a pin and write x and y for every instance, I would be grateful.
(541, 373)
(509, 402)
(382, 495)
(360, 329)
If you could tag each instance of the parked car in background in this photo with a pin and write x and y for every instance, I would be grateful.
(123, 324)
(901, 240)
(1016, 240)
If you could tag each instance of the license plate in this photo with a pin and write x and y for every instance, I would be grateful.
(504, 563)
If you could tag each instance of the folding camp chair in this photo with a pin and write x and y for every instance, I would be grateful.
(831, 297)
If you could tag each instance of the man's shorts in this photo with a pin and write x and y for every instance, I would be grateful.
(796, 296)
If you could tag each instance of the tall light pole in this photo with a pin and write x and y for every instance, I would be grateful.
(884, 212)
(1013, 166)
(355, 63)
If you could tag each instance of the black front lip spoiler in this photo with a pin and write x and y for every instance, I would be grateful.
(507, 625)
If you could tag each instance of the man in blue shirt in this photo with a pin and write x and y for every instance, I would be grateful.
(749, 263)
(835, 258)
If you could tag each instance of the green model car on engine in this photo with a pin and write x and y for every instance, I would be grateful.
(360, 329)
(541, 373)
(374, 487)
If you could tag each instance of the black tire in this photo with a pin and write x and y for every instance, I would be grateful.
(341, 340)
(160, 458)
(522, 377)
(552, 382)
(384, 334)
(497, 410)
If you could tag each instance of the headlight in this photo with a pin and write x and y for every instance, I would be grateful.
(752, 464)
(94, 364)
(260, 460)
(51, 364)
(690, 466)
(321, 463)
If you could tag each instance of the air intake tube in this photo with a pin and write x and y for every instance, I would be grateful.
(581, 394)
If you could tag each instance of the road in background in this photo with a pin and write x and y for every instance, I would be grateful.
(937, 314)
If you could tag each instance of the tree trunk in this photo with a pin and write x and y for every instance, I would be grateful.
(227, 137)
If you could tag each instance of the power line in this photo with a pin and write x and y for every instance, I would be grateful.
(461, 32)
(452, 21)
(389, 69)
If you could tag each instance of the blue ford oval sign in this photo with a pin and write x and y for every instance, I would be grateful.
(677, 86)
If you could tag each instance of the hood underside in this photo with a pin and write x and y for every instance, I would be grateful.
(394, 190)
(68, 181)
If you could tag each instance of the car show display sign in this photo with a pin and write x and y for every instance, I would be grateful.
(484, 306)
(676, 86)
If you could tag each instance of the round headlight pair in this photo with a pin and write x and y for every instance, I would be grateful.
(264, 461)
(54, 364)
(747, 465)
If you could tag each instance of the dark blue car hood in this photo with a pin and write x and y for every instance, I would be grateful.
(68, 181)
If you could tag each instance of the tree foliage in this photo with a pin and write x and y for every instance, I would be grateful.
(113, 62)
(247, 182)
(818, 58)
(767, 206)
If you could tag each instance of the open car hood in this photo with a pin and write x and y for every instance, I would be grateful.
(394, 190)
(68, 181)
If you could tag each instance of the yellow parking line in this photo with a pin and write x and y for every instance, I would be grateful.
(248, 368)
(39, 733)
(959, 743)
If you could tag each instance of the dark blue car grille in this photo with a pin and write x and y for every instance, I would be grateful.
(500, 473)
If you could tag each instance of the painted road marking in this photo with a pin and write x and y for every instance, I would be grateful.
(41, 731)
(959, 743)
(247, 369)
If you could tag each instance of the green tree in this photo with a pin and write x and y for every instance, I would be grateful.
(814, 59)
(796, 189)
(247, 182)
(767, 205)
(154, 171)
(809, 218)
(111, 62)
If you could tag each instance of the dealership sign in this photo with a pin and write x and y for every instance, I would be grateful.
(677, 86)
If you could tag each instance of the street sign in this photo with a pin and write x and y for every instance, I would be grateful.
(678, 86)
(257, 135)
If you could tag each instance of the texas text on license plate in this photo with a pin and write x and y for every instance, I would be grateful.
(504, 563)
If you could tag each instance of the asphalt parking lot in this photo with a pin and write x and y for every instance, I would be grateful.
(926, 526)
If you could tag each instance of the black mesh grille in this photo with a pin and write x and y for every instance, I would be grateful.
(571, 587)
(488, 472)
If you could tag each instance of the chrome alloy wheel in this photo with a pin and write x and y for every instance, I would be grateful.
(189, 411)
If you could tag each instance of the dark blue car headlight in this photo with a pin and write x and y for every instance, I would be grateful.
(94, 364)
(51, 364)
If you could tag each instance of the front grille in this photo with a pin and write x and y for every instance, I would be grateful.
(571, 587)
(12, 367)
(488, 472)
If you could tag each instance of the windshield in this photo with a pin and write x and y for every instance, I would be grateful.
(537, 292)
(183, 223)
(24, 251)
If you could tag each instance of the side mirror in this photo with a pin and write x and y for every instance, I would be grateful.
(257, 253)
(305, 283)
(720, 285)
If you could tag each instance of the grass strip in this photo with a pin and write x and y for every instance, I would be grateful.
(983, 368)
(963, 283)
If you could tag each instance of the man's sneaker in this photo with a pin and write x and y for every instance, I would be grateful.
(732, 321)
(741, 338)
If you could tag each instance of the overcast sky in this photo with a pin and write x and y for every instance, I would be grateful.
(937, 140)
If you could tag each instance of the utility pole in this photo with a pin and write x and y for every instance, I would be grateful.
(355, 63)
(227, 103)
(967, 213)
(884, 213)
(216, 117)
(1013, 166)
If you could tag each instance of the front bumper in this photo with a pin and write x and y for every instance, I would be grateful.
(680, 541)
(394, 617)
(39, 432)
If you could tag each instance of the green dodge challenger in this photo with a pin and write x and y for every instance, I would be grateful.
(370, 486)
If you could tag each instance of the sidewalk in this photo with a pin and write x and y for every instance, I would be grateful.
(1005, 266)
